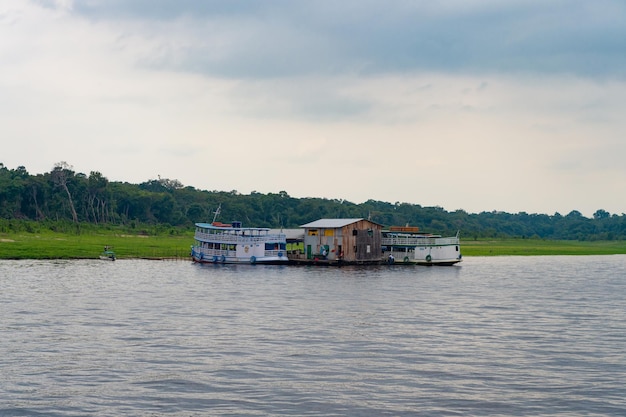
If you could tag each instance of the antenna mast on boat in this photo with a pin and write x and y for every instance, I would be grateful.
(217, 212)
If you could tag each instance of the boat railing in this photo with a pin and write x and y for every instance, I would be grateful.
(228, 238)
(419, 241)
(215, 252)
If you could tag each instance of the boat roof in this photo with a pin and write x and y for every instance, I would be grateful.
(223, 226)
(333, 223)
(409, 234)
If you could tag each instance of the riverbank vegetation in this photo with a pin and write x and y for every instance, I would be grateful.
(39, 241)
(60, 240)
(537, 247)
(92, 211)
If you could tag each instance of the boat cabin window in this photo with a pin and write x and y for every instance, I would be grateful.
(275, 246)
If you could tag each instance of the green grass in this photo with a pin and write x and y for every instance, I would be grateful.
(51, 245)
(534, 247)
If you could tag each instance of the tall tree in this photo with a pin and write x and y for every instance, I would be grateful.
(60, 174)
(97, 204)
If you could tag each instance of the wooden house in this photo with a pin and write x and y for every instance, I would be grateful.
(343, 240)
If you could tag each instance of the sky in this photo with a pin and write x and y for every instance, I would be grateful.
(475, 105)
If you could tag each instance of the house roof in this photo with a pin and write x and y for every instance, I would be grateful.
(332, 223)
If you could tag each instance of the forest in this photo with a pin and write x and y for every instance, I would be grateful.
(63, 196)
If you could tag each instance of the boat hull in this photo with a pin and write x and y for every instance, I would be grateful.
(199, 257)
(439, 262)
(406, 260)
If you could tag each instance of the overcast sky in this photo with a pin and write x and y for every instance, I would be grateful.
(480, 105)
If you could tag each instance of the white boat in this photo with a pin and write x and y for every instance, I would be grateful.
(407, 245)
(232, 244)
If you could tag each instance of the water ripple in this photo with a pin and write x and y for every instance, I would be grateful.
(514, 336)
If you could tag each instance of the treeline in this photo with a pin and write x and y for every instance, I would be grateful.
(63, 195)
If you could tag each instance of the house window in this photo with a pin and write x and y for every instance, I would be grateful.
(329, 232)
(312, 232)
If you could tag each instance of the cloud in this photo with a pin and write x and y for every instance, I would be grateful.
(55, 4)
(478, 105)
(285, 38)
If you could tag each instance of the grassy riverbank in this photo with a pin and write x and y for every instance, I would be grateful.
(52, 245)
(46, 244)
(534, 247)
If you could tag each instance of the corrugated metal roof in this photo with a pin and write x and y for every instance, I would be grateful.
(330, 223)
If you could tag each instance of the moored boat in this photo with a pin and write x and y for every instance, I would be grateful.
(407, 245)
(233, 244)
(107, 254)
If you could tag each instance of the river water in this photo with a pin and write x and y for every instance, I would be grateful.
(495, 336)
